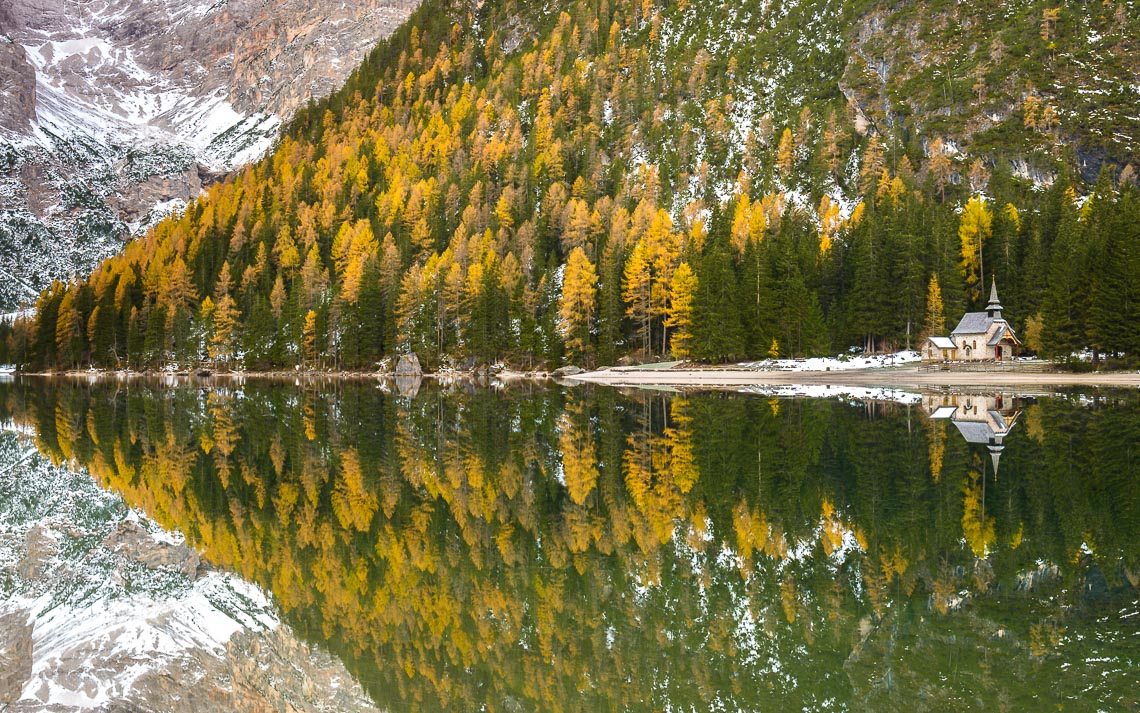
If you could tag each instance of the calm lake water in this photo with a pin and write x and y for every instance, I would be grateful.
(533, 548)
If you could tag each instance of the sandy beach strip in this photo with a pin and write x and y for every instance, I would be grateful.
(895, 377)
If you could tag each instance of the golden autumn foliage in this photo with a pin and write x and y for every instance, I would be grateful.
(579, 457)
(977, 526)
(975, 227)
(680, 319)
(578, 303)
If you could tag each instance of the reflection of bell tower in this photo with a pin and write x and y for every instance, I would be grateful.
(982, 419)
(995, 454)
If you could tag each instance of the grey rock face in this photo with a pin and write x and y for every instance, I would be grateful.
(114, 113)
(260, 57)
(17, 87)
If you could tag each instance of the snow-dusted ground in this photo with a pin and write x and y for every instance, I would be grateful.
(839, 363)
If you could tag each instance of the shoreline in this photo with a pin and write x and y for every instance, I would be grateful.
(713, 378)
(894, 377)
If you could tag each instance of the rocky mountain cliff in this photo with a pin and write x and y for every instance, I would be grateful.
(116, 112)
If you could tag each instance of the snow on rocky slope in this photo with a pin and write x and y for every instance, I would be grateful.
(102, 610)
(114, 113)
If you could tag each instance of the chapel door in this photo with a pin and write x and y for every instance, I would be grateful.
(997, 353)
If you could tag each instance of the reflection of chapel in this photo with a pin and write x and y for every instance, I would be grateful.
(980, 336)
(981, 419)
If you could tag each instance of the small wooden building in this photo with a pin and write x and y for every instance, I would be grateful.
(979, 336)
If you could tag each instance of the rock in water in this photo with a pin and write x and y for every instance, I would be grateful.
(409, 365)
(569, 370)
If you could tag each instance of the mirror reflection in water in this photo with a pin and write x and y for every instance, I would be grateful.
(534, 548)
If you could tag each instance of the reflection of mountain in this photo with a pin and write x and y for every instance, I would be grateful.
(537, 549)
(101, 610)
(981, 419)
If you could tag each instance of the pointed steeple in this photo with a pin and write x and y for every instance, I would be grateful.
(994, 307)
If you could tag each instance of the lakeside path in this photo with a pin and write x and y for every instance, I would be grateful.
(895, 377)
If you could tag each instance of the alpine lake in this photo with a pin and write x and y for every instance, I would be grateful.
(541, 547)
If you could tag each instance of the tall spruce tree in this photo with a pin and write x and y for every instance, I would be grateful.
(717, 333)
(1066, 302)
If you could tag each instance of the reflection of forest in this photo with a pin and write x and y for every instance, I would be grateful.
(539, 549)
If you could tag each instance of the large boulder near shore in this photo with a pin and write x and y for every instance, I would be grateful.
(570, 370)
(409, 365)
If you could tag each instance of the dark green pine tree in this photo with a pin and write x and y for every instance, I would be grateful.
(869, 299)
(487, 331)
(799, 319)
(1114, 304)
(43, 351)
(611, 311)
(371, 308)
(7, 353)
(259, 335)
(136, 337)
(183, 346)
(717, 333)
(759, 306)
(103, 336)
(154, 345)
(543, 336)
(1066, 301)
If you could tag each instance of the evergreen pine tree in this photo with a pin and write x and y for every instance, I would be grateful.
(1065, 308)
(717, 334)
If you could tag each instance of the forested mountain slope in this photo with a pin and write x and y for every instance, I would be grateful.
(588, 180)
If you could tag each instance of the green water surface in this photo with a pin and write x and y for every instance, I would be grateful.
(566, 549)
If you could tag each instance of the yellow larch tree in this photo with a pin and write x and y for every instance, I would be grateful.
(681, 298)
(872, 165)
(309, 339)
(786, 154)
(749, 222)
(579, 453)
(940, 166)
(636, 292)
(974, 228)
(679, 435)
(578, 304)
(830, 222)
(977, 526)
(935, 323)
